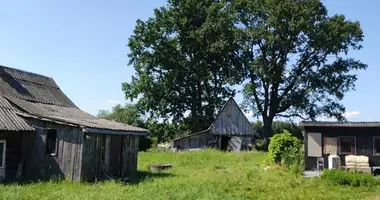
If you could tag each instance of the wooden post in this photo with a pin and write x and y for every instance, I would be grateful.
(107, 158)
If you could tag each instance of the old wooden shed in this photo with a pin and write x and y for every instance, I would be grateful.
(44, 134)
(322, 139)
(231, 130)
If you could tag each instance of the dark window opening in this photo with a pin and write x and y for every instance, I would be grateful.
(224, 143)
(347, 145)
(51, 141)
(376, 146)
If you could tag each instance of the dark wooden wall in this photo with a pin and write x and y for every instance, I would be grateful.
(204, 140)
(231, 121)
(364, 142)
(66, 164)
(91, 156)
(13, 151)
(130, 148)
(123, 150)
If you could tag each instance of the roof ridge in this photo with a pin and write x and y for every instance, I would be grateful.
(27, 72)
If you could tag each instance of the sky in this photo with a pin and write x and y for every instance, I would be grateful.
(82, 45)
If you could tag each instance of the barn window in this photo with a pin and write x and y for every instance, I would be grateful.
(376, 146)
(347, 145)
(51, 141)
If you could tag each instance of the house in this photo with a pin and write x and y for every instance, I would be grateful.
(44, 134)
(344, 139)
(231, 130)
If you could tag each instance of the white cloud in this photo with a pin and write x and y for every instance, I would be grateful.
(352, 114)
(112, 102)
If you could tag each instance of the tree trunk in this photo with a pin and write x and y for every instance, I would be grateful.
(267, 131)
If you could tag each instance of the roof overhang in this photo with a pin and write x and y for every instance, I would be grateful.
(340, 124)
(112, 132)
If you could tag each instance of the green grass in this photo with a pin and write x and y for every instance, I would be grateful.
(197, 175)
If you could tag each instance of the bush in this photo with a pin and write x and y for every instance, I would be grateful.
(284, 149)
(259, 145)
(355, 179)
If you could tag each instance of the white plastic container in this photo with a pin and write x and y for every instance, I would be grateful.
(334, 162)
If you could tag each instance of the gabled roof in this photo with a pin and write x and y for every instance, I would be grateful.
(25, 94)
(31, 87)
(229, 101)
(339, 124)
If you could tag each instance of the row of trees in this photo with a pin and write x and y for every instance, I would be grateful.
(290, 56)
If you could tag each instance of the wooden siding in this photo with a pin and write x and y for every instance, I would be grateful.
(66, 164)
(231, 121)
(120, 155)
(130, 149)
(13, 152)
(91, 156)
(364, 142)
(206, 140)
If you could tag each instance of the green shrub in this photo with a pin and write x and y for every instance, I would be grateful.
(355, 179)
(284, 149)
(259, 145)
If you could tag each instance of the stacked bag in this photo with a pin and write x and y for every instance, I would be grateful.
(359, 163)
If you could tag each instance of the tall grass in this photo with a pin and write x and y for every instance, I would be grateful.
(197, 175)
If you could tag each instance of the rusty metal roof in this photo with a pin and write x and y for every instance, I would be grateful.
(9, 120)
(71, 115)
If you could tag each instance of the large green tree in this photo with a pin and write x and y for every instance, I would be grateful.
(295, 58)
(184, 61)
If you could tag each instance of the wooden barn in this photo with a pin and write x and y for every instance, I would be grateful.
(44, 134)
(231, 131)
(322, 139)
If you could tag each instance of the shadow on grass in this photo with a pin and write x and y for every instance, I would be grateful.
(134, 178)
(141, 176)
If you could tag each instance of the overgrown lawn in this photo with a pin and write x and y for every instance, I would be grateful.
(197, 175)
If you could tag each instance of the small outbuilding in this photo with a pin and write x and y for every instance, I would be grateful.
(231, 130)
(44, 134)
(344, 139)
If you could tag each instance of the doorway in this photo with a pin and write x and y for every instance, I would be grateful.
(224, 143)
(2, 159)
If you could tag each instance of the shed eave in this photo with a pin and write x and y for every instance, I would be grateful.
(113, 132)
(337, 125)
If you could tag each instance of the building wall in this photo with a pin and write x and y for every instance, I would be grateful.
(13, 152)
(231, 121)
(115, 155)
(66, 164)
(364, 143)
(199, 141)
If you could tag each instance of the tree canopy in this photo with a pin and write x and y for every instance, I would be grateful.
(183, 61)
(290, 56)
(295, 58)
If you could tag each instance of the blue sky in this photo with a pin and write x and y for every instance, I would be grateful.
(82, 45)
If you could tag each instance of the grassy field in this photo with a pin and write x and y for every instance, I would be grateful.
(197, 175)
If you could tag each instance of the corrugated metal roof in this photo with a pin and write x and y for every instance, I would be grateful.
(72, 116)
(40, 96)
(341, 124)
(31, 87)
(9, 120)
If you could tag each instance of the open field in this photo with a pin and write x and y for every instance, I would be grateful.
(197, 175)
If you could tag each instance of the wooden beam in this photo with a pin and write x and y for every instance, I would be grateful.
(112, 132)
